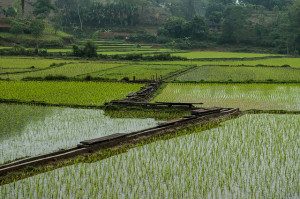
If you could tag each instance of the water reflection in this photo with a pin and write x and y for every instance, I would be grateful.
(31, 131)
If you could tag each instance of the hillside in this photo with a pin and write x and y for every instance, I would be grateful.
(48, 39)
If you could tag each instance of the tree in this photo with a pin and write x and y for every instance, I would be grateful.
(269, 4)
(9, 12)
(90, 49)
(235, 26)
(17, 28)
(56, 23)
(42, 8)
(175, 27)
(198, 29)
(37, 28)
(23, 8)
(294, 15)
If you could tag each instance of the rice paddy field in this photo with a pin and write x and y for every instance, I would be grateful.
(242, 73)
(292, 62)
(211, 54)
(68, 93)
(28, 131)
(140, 71)
(71, 70)
(243, 96)
(27, 62)
(254, 156)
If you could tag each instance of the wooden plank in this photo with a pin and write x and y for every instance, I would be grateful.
(206, 111)
(131, 94)
(178, 103)
(102, 139)
(44, 160)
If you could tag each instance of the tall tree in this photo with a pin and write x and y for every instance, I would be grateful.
(23, 8)
(42, 8)
(235, 26)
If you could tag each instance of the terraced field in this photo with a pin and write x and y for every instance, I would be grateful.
(68, 70)
(242, 73)
(28, 62)
(292, 62)
(28, 131)
(68, 93)
(253, 156)
(140, 71)
(243, 96)
(211, 54)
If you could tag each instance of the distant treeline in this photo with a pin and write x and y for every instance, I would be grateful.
(241, 24)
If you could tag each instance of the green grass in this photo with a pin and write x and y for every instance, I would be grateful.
(69, 70)
(210, 54)
(243, 96)
(139, 71)
(221, 73)
(69, 93)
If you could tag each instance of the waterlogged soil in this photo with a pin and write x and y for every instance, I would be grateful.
(27, 131)
(243, 96)
(249, 157)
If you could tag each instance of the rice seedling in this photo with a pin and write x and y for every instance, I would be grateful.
(254, 156)
(29, 131)
(140, 71)
(221, 73)
(27, 62)
(211, 54)
(69, 70)
(293, 62)
(67, 93)
(243, 96)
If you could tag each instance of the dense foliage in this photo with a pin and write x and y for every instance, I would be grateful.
(272, 24)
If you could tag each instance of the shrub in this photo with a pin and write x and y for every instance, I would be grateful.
(90, 49)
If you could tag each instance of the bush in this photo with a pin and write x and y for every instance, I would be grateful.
(89, 50)
(16, 28)
(119, 37)
(77, 52)
(143, 38)
(52, 44)
(42, 52)
(126, 79)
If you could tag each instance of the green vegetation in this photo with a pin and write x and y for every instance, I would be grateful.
(208, 54)
(293, 62)
(46, 129)
(243, 96)
(253, 156)
(212, 71)
(28, 62)
(140, 71)
(139, 112)
(65, 93)
(70, 70)
(241, 74)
